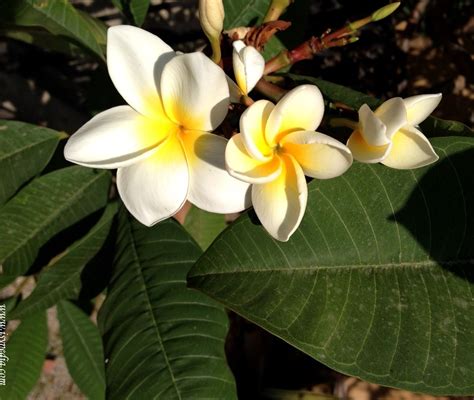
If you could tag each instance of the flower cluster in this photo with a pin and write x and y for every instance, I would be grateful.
(165, 154)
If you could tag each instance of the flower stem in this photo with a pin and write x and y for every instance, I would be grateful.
(270, 90)
(277, 7)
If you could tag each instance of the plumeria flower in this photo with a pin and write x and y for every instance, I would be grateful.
(248, 66)
(277, 146)
(160, 141)
(390, 135)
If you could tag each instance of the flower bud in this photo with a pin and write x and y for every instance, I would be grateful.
(211, 17)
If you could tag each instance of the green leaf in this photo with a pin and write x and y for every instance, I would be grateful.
(431, 127)
(377, 282)
(24, 151)
(244, 12)
(26, 351)
(135, 10)
(58, 17)
(63, 277)
(161, 339)
(43, 208)
(83, 350)
(204, 226)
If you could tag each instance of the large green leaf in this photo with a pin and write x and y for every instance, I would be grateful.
(43, 208)
(432, 126)
(244, 12)
(377, 282)
(26, 351)
(63, 277)
(24, 151)
(83, 350)
(204, 226)
(136, 10)
(58, 17)
(162, 340)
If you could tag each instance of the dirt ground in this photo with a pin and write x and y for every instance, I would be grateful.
(427, 47)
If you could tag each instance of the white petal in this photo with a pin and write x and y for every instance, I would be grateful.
(156, 187)
(364, 152)
(301, 109)
(421, 106)
(116, 138)
(410, 149)
(252, 129)
(135, 60)
(372, 128)
(393, 114)
(248, 65)
(194, 92)
(211, 187)
(243, 166)
(320, 156)
(281, 203)
(238, 65)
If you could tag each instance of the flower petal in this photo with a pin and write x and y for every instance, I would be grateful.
(364, 152)
(301, 109)
(410, 149)
(248, 65)
(252, 129)
(241, 165)
(421, 106)
(211, 187)
(372, 129)
(194, 92)
(156, 187)
(116, 138)
(393, 114)
(320, 156)
(135, 60)
(234, 91)
(281, 203)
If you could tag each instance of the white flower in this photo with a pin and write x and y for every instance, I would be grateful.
(211, 17)
(248, 66)
(159, 142)
(276, 147)
(389, 135)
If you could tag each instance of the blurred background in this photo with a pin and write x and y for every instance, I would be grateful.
(427, 46)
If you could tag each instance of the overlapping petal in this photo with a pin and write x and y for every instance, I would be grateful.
(252, 128)
(320, 156)
(248, 65)
(393, 114)
(410, 149)
(373, 130)
(281, 203)
(211, 187)
(364, 152)
(116, 138)
(243, 166)
(301, 109)
(135, 60)
(421, 106)
(194, 92)
(155, 188)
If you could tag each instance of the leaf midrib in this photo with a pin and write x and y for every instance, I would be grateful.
(420, 264)
(137, 264)
(5, 156)
(52, 217)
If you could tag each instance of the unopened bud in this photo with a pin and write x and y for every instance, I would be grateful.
(384, 11)
(211, 17)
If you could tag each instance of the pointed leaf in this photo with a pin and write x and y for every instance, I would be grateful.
(161, 339)
(83, 350)
(58, 17)
(136, 9)
(377, 282)
(26, 351)
(24, 151)
(63, 278)
(43, 208)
